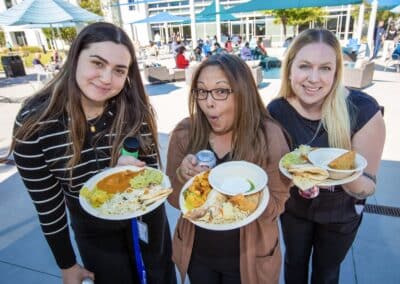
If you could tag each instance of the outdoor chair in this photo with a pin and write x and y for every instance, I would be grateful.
(157, 74)
(394, 59)
(358, 75)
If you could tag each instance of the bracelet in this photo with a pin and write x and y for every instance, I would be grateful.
(179, 176)
(371, 177)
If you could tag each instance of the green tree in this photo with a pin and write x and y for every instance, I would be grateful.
(93, 6)
(2, 38)
(296, 17)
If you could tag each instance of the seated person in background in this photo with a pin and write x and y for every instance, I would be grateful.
(197, 54)
(217, 48)
(56, 60)
(153, 49)
(36, 61)
(260, 51)
(228, 46)
(245, 52)
(181, 61)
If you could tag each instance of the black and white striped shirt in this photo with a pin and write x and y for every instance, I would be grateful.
(41, 162)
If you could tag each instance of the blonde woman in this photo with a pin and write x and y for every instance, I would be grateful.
(227, 116)
(315, 109)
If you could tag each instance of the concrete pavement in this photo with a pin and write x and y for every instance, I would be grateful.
(373, 258)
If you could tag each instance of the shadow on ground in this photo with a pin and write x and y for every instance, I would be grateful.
(12, 81)
(160, 89)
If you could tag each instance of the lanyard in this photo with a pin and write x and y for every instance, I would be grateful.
(138, 255)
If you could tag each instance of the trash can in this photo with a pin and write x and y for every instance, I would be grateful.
(13, 66)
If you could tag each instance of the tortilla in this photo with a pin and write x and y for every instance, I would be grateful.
(345, 161)
(304, 183)
(309, 171)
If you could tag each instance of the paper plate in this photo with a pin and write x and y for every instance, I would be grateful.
(91, 183)
(329, 181)
(232, 178)
(262, 205)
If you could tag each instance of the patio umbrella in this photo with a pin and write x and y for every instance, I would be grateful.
(386, 4)
(209, 14)
(45, 12)
(163, 17)
(257, 5)
(396, 10)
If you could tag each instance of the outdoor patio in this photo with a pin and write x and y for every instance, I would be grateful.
(373, 258)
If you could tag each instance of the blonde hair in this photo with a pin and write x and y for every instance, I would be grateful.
(250, 113)
(335, 110)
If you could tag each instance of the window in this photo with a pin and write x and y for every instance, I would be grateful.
(131, 7)
(20, 38)
(8, 3)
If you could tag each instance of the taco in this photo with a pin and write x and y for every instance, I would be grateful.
(345, 161)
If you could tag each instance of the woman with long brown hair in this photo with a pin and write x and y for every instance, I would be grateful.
(228, 117)
(71, 130)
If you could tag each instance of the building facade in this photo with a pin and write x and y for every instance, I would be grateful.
(249, 25)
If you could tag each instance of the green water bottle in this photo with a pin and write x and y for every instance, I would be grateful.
(131, 147)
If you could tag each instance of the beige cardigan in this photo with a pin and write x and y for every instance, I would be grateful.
(260, 256)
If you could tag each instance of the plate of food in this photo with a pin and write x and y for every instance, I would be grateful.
(208, 208)
(309, 167)
(238, 177)
(124, 192)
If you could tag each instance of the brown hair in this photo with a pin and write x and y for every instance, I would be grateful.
(63, 96)
(249, 137)
(335, 113)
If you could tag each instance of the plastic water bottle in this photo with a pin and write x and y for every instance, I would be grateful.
(87, 281)
(131, 147)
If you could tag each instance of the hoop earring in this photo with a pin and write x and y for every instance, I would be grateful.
(128, 81)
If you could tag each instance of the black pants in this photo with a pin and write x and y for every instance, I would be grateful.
(200, 272)
(106, 248)
(328, 243)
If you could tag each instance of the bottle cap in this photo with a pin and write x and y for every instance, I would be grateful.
(131, 147)
(131, 144)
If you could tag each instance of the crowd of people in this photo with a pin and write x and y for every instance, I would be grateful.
(75, 126)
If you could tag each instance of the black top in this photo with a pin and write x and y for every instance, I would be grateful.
(41, 161)
(330, 207)
(220, 249)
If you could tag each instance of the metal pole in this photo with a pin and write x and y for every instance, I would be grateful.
(192, 22)
(347, 26)
(371, 26)
(218, 20)
(360, 22)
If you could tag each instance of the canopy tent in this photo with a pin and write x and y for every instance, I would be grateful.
(386, 4)
(258, 5)
(46, 13)
(396, 9)
(209, 14)
(163, 17)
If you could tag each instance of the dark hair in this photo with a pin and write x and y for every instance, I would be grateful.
(181, 49)
(63, 96)
(250, 112)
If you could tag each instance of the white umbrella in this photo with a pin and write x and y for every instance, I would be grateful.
(45, 12)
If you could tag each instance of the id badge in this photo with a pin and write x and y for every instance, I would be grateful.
(143, 231)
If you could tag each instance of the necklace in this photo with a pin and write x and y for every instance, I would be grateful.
(92, 125)
(315, 133)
